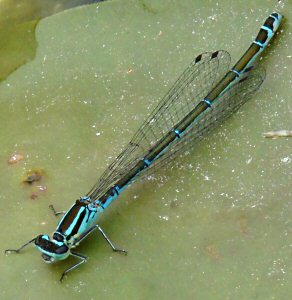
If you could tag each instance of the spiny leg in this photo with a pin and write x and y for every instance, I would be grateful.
(56, 213)
(19, 249)
(109, 241)
(80, 256)
(84, 235)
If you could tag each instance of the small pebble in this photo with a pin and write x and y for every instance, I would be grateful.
(15, 158)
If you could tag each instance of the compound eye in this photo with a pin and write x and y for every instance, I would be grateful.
(43, 242)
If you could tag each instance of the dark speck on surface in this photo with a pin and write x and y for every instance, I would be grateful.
(33, 176)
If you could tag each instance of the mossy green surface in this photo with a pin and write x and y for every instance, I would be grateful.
(214, 225)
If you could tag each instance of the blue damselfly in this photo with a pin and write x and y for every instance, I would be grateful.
(203, 96)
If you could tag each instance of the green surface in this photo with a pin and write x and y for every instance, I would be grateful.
(18, 20)
(18, 46)
(214, 225)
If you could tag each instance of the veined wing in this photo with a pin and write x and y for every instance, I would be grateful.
(223, 107)
(189, 89)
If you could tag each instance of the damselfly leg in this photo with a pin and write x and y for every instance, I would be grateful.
(78, 255)
(19, 249)
(91, 229)
(83, 257)
(56, 213)
(109, 241)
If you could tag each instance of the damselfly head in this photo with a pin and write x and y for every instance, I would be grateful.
(51, 249)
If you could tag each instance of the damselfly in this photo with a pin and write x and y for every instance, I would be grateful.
(202, 97)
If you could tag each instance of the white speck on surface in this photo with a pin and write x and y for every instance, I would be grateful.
(206, 177)
(286, 160)
(164, 218)
(213, 18)
(248, 161)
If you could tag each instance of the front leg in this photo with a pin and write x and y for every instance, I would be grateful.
(20, 248)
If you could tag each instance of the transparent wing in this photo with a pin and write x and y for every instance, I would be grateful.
(189, 89)
(223, 107)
